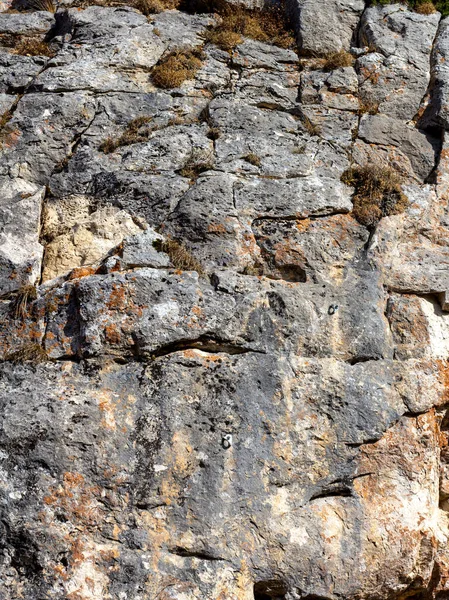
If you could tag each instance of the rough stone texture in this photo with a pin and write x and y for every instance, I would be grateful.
(324, 26)
(224, 386)
(394, 74)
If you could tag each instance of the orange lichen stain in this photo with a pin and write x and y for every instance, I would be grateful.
(303, 225)
(112, 334)
(75, 596)
(76, 500)
(443, 371)
(79, 272)
(107, 407)
(216, 228)
(61, 572)
(198, 311)
(117, 297)
(11, 138)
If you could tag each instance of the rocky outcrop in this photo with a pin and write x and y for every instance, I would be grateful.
(325, 26)
(224, 327)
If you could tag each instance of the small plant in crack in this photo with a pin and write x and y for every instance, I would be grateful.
(377, 194)
(368, 106)
(19, 304)
(176, 67)
(423, 7)
(257, 269)
(267, 25)
(136, 131)
(46, 5)
(33, 353)
(311, 128)
(33, 46)
(179, 256)
(336, 60)
(198, 162)
(151, 7)
(252, 159)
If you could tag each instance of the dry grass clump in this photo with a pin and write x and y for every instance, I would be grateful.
(268, 25)
(257, 269)
(377, 193)
(47, 5)
(425, 8)
(224, 39)
(5, 118)
(5, 128)
(19, 304)
(179, 256)
(135, 133)
(150, 7)
(198, 162)
(177, 67)
(336, 60)
(369, 107)
(33, 353)
(253, 159)
(33, 47)
(311, 128)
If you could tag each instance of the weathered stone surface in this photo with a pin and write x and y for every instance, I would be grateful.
(394, 74)
(20, 250)
(223, 386)
(438, 109)
(325, 26)
(26, 23)
(419, 147)
(87, 240)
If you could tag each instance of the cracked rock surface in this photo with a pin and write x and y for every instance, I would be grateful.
(217, 381)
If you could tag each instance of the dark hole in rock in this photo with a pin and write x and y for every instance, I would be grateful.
(269, 590)
(293, 273)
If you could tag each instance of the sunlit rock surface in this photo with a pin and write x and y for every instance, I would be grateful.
(215, 382)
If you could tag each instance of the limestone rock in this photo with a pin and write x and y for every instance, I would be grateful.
(394, 74)
(215, 382)
(325, 26)
(20, 250)
(85, 241)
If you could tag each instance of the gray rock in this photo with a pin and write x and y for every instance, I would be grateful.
(325, 26)
(395, 73)
(299, 197)
(18, 72)
(272, 424)
(20, 250)
(418, 146)
(437, 112)
(29, 23)
(140, 251)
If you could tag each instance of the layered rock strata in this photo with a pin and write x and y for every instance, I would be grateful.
(268, 417)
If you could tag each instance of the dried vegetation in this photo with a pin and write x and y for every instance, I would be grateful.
(198, 162)
(253, 159)
(179, 256)
(19, 305)
(424, 7)
(136, 131)
(267, 25)
(336, 60)
(176, 67)
(377, 193)
(33, 353)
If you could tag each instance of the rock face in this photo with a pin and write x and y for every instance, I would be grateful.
(217, 381)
